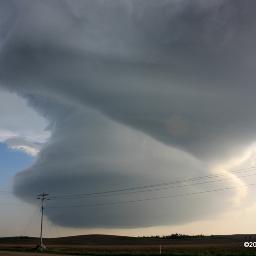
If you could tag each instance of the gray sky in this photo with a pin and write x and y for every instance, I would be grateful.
(119, 94)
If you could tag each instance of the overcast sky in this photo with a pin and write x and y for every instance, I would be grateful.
(109, 95)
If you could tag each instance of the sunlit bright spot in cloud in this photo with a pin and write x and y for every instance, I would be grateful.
(27, 149)
(245, 160)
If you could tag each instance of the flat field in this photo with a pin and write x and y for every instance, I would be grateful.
(121, 245)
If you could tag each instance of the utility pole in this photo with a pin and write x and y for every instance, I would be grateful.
(42, 197)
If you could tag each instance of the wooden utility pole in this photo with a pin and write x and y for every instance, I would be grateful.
(42, 197)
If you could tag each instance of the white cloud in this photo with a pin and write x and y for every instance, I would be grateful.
(28, 150)
(24, 145)
(21, 128)
(19, 119)
(5, 134)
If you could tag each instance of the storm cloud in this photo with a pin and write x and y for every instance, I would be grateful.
(135, 92)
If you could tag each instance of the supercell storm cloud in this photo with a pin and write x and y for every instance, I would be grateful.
(135, 93)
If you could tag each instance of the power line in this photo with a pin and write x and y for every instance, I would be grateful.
(165, 184)
(151, 198)
(152, 189)
(157, 187)
(177, 195)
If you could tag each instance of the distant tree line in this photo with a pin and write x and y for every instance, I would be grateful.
(175, 236)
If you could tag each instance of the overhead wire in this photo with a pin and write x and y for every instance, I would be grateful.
(150, 189)
(150, 186)
(151, 198)
(213, 178)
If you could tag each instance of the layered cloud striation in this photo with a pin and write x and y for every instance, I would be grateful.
(135, 93)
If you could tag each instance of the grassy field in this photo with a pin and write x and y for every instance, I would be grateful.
(174, 253)
(121, 245)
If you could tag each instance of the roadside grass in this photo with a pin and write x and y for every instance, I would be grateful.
(206, 252)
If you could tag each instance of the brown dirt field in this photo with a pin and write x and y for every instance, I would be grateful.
(6, 253)
(114, 244)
